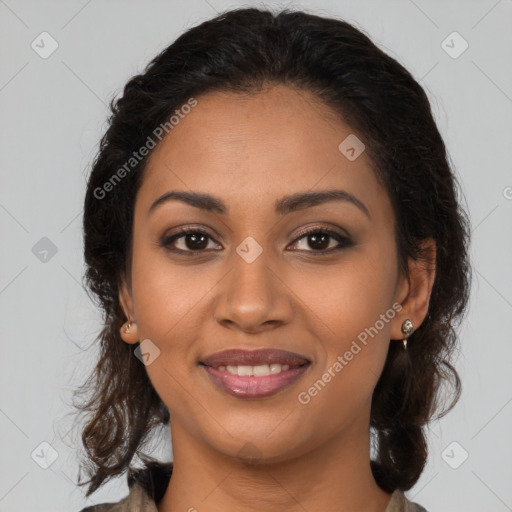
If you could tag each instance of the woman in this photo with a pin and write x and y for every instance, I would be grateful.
(272, 230)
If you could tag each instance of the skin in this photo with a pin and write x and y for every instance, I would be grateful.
(250, 151)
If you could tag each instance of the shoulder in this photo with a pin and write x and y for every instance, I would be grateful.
(136, 500)
(400, 503)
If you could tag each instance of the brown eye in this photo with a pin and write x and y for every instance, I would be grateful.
(321, 241)
(191, 240)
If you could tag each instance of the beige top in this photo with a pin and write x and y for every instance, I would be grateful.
(139, 500)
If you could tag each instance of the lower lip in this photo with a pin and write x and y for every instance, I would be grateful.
(254, 387)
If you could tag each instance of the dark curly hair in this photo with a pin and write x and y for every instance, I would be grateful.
(243, 51)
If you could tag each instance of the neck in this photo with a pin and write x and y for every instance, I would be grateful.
(335, 475)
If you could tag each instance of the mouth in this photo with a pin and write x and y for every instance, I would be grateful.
(254, 358)
(254, 374)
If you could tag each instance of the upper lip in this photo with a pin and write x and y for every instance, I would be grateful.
(236, 357)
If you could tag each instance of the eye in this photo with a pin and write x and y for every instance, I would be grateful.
(191, 240)
(196, 240)
(320, 240)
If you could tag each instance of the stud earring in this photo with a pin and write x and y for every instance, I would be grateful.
(127, 328)
(407, 329)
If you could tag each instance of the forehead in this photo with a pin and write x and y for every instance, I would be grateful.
(252, 148)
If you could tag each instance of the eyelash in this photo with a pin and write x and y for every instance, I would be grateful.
(341, 239)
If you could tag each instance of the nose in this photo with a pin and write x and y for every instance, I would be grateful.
(253, 297)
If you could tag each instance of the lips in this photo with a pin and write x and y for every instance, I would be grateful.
(253, 387)
(240, 357)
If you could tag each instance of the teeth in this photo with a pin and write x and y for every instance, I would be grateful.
(258, 371)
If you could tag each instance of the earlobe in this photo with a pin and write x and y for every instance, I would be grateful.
(418, 289)
(128, 331)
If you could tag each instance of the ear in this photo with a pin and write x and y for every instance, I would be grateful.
(129, 331)
(413, 293)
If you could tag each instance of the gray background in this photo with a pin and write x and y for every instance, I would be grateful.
(53, 112)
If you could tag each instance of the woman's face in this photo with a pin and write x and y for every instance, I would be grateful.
(255, 280)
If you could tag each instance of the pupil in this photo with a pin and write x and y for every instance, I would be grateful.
(194, 237)
(321, 241)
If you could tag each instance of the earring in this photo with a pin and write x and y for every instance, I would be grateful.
(407, 329)
(127, 328)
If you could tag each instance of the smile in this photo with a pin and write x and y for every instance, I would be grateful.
(254, 381)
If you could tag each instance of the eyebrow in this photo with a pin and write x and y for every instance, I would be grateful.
(283, 206)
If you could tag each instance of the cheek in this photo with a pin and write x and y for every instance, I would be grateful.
(350, 307)
(167, 303)
(165, 294)
(347, 297)
(352, 352)
(172, 307)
